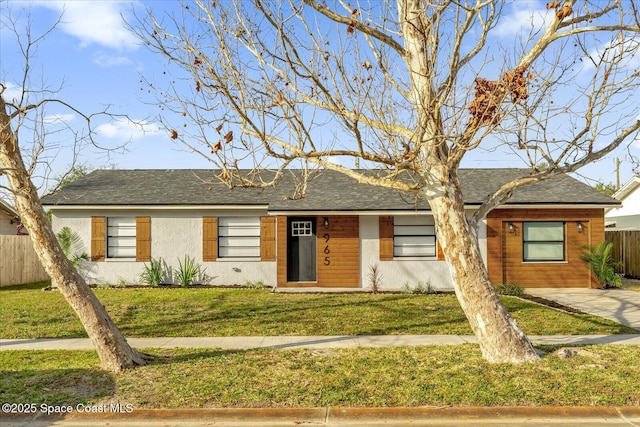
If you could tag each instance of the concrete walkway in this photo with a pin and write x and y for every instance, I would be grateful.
(313, 342)
(619, 305)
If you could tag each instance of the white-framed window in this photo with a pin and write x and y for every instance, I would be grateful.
(301, 228)
(543, 241)
(121, 237)
(414, 236)
(239, 237)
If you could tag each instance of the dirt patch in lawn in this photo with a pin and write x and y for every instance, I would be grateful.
(552, 304)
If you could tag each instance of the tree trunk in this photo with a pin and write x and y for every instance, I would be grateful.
(500, 338)
(114, 351)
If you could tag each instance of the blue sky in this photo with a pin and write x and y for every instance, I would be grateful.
(97, 62)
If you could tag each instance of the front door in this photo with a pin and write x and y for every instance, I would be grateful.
(301, 249)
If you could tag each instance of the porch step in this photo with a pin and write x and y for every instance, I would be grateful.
(320, 290)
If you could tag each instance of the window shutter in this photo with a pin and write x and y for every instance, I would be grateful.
(143, 238)
(98, 238)
(209, 238)
(268, 238)
(386, 238)
(439, 249)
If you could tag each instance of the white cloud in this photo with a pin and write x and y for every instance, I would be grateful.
(104, 60)
(58, 118)
(523, 21)
(12, 93)
(128, 130)
(95, 22)
(625, 52)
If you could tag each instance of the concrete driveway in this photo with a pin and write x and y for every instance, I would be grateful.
(619, 305)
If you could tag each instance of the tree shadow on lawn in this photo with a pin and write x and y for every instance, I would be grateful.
(283, 314)
(56, 387)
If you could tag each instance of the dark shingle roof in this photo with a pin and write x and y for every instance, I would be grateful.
(327, 191)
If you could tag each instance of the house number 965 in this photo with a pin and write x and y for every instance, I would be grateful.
(327, 251)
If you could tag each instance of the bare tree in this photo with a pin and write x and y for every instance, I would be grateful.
(407, 88)
(23, 129)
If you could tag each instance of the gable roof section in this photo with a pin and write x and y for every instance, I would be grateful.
(327, 191)
(5, 206)
(627, 188)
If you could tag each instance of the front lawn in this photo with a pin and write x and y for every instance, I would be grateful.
(29, 312)
(400, 376)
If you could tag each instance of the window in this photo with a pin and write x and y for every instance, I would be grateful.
(239, 237)
(543, 241)
(301, 228)
(121, 237)
(414, 236)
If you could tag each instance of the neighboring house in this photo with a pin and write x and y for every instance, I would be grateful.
(627, 216)
(9, 219)
(329, 238)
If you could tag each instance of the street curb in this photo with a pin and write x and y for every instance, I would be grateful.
(348, 415)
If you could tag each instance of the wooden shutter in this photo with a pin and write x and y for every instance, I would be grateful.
(209, 238)
(386, 238)
(267, 238)
(439, 250)
(143, 238)
(98, 238)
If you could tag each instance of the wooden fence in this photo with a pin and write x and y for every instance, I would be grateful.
(626, 250)
(19, 262)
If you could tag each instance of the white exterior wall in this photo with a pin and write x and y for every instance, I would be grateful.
(405, 270)
(174, 234)
(626, 216)
(5, 224)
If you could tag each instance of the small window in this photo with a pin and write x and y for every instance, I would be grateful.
(121, 237)
(414, 236)
(543, 241)
(239, 237)
(301, 228)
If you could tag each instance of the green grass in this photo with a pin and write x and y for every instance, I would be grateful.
(405, 376)
(29, 312)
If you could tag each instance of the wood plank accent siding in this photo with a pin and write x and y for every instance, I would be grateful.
(338, 258)
(505, 252)
(267, 238)
(98, 238)
(339, 252)
(143, 238)
(209, 238)
(386, 238)
(281, 248)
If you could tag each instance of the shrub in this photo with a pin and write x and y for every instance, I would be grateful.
(153, 273)
(600, 261)
(375, 278)
(422, 288)
(256, 284)
(509, 289)
(188, 271)
(72, 246)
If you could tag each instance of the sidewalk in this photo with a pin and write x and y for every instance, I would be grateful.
(314, 342)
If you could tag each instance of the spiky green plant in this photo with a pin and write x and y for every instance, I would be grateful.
(72, 246)
(153, 273)
(188, 271)
(600, 261)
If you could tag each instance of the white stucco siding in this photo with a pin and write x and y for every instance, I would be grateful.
(411, 271)
(174, 234)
